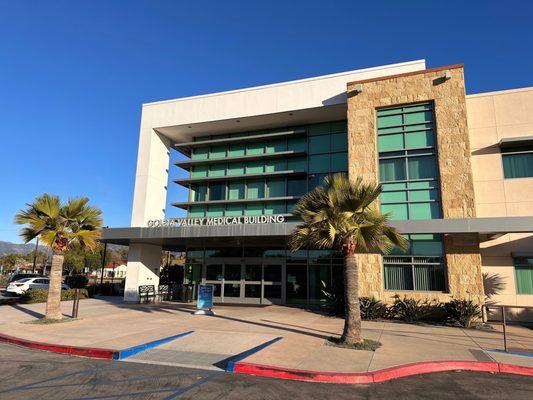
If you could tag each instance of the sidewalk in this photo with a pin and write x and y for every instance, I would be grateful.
(109, 323)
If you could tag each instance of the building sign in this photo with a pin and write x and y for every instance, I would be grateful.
(216, 221)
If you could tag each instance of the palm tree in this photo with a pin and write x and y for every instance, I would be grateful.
(59, 225)
(345, 215)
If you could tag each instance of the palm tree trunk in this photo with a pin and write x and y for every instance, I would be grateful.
(352, 318)
(53, 304)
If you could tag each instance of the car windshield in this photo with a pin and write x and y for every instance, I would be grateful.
(24, 280)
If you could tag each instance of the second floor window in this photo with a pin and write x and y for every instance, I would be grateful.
(517, 162)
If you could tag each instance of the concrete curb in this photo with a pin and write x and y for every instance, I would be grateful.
(239, 367)
(381, 375)
(92, 352)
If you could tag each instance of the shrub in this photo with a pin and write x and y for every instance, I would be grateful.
(334, 295)
(41, 295)
(76, 281)
(371, 308)
(413, 310)
(462, 312)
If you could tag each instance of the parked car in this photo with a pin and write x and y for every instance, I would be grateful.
(21, 286)
(18, 277)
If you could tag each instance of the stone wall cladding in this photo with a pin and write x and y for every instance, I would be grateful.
(453, 149)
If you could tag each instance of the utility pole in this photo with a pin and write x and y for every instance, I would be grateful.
(35, 254)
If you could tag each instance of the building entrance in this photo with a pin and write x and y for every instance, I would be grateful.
(252, 281)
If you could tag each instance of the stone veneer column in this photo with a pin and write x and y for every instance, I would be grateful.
(453, 150)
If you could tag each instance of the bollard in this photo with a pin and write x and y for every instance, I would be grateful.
(75, 303)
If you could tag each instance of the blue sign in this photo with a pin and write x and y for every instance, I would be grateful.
(205, 296)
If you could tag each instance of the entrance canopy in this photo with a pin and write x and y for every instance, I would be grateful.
(178, 238)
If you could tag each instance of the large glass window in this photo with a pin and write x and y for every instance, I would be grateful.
(326, 146)
(407, 162)
(296, 187)
(236, 191)
(256, 189)
(524, 275)
(517, 162)
(217, 191)
(275, 187)
(409, 175)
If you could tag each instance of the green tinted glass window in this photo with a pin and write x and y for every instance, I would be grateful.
(339, 142)
(319, 163)
(236, 150)
(418, 117)
(338, 126)
(393, 197)
(297, 144)
(217, 170)
(254, 209)
(297, 164)
(217, 191)
(216, 211)
(254, 167)
(296, 187)
(199, 171)
(392, 170)
(319, 129)
(234, 210)
(200, 154)
(217, 152)
(198, 192)
(339, 162)
(419, 139)
(524, 280)
(255, 148)
(390, 120)
(256, 189)
(275, 146)
(275, 165)
(399, 211)
(275, 208)
(390, 142)
(423, 195)
(422, 167)
(425, 245)
(319, 144)
(236, 191)
(235, 168)
(196, 211)
(275, 187)
(424, 210)
(517, 165)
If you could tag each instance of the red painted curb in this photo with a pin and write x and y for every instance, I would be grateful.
(92, 352)
(381, 375)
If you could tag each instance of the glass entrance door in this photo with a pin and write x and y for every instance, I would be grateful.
(254, 281)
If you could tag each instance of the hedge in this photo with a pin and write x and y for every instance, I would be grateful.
(41, 295)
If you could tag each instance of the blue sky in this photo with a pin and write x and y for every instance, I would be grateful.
(73, 74)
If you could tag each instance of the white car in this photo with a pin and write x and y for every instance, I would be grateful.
(21, 286)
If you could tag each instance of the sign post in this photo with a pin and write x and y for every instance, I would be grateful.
(204, 304)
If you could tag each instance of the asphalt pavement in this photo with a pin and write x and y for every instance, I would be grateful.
(31, 374)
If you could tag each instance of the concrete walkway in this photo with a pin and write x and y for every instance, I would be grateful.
(109, 323)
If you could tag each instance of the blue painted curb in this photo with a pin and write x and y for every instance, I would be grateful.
(514, 353)
(122, 354)
(231, 363)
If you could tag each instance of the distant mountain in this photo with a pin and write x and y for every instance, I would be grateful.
(9, 248)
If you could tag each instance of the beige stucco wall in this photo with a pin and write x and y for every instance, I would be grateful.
(492, 117)
(453, 147)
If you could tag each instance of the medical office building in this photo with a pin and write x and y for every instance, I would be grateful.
(456, 170)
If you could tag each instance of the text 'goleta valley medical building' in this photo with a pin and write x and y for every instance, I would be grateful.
(456, 169)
